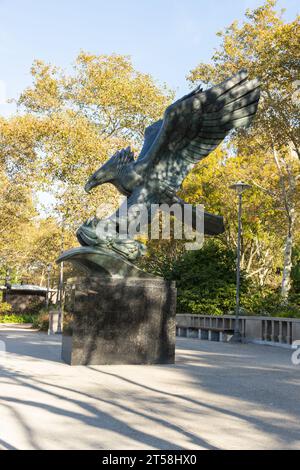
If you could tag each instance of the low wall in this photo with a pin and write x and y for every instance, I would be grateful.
(22, 302)
(265, 330)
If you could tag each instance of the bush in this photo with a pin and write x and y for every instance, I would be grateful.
(295, 274)
(220, 303)
(41, 321)
(286, 311)
(206, 280)
(14, 318)
(5, 308)
(268, 302)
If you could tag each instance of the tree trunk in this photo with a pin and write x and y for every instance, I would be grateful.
(288, 188)
(42, 277)
(287, 262)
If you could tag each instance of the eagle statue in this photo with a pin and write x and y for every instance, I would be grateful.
(190, 130)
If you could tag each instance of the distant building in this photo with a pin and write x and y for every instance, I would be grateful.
(24, 297)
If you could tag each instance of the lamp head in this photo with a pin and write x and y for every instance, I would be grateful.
(240, 187)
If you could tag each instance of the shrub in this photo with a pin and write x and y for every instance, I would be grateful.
(206, 280)
(295, 274)
(15, 318)
(5, 308)
(41, 321)
(269, 303)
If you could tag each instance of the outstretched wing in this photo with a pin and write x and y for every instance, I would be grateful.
(195, 125)
(151, 132)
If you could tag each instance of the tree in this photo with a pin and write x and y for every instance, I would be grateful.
(269, 48)
(296, 272)
(209, 184)
(65, 128)
(28, 243)
(205, 280)
(82, 119)
(16, 212)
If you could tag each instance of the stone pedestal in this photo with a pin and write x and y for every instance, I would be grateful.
(119, 321)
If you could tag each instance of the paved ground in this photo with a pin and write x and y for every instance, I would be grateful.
(217, 396)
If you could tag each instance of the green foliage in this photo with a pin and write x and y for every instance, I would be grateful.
(161, 257)
(269, 303)
(68, 125)
(206, 280)
(41, 321)
(267, 155)
(194, 300)
(295, 274)
(37, 316)
(5, 308)
(73, 122)
(17, 318)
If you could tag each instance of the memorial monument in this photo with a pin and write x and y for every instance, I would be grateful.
(117, 312)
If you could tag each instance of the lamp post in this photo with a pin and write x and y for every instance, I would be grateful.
(7, 284)
(61, 280)
(240, 188)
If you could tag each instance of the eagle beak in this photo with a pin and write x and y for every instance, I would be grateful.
(96, 179)
(88, 187)
(91, 183)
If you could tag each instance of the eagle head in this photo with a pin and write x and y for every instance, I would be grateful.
(110, 171)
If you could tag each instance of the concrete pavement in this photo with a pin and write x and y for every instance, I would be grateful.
(216, 396)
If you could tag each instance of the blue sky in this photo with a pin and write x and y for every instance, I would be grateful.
(164, 37)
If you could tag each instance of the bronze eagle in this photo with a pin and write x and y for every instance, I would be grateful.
(190, 130)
